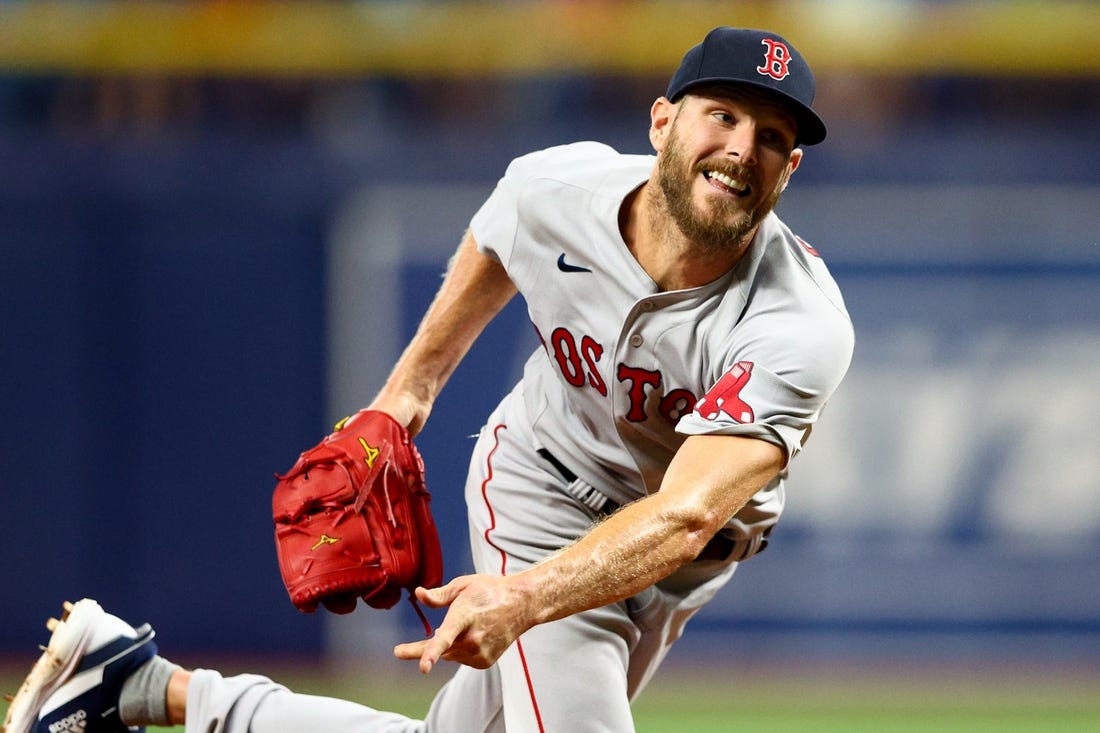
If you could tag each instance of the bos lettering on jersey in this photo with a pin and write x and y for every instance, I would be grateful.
(577, 361)
(578, 358)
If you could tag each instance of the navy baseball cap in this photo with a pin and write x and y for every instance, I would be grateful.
(758, 59)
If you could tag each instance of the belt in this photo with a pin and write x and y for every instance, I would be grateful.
(719, 548)
(590, 496)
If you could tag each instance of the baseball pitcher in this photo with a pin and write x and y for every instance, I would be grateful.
(689, 342)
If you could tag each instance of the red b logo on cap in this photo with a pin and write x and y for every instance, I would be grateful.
(776, 60)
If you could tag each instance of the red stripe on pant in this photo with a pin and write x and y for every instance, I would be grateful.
(504, 563)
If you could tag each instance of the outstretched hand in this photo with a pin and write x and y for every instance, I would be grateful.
(487, 613)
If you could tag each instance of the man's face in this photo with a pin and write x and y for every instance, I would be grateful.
(725, 160)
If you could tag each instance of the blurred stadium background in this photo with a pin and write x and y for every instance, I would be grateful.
(219, 221)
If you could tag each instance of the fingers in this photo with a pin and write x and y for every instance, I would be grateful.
(428, 651)
(416, 650)
(477, 628)
(455, 623)
(444, 595)
(411, 650)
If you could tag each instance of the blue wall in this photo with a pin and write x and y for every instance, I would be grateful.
(163, 355)
(163, 324)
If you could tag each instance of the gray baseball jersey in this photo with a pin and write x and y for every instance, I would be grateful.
(626, 371)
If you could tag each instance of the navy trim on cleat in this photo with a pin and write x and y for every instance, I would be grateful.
(94, 709)
(113, 649)
(75, 684)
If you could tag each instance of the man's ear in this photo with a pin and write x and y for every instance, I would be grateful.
(661, 115)
(792, 166)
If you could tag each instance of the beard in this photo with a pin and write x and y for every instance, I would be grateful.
(724, 227)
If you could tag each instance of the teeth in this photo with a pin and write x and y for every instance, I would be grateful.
(727, 181)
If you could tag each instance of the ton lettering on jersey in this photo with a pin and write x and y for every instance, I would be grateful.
(636, 381)
(577, 362)
(673, 405)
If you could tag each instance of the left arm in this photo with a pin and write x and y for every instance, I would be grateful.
(708, 481)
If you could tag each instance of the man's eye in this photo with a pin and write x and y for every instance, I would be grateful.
(773, 138)
(723, 117)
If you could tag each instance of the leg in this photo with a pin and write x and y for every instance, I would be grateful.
(566, 675)
(89, 667)
(468, 703)
(660, 613)
(570, 675)
(578, 673)
(251, 703)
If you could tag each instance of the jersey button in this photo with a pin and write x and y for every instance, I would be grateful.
(647, 306)
(636, 340)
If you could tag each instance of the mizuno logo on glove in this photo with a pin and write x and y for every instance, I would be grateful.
(325, 540)
(372, 453)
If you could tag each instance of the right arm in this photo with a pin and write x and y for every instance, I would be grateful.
(474, 290)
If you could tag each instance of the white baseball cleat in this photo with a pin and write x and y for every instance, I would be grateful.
(75, 684)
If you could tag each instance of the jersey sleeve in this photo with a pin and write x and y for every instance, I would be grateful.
(775, 389)
(495, 224)
(519, 198)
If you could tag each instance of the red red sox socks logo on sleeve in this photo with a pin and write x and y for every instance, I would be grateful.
(725, 396)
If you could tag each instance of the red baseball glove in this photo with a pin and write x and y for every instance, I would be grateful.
(352, 519)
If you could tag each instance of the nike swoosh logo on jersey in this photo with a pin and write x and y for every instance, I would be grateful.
(566, 267)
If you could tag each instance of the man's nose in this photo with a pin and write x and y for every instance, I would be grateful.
(741, 143)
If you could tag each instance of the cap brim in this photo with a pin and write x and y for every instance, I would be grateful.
(811, 128)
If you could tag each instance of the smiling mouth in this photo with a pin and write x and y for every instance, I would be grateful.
(727, 184)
